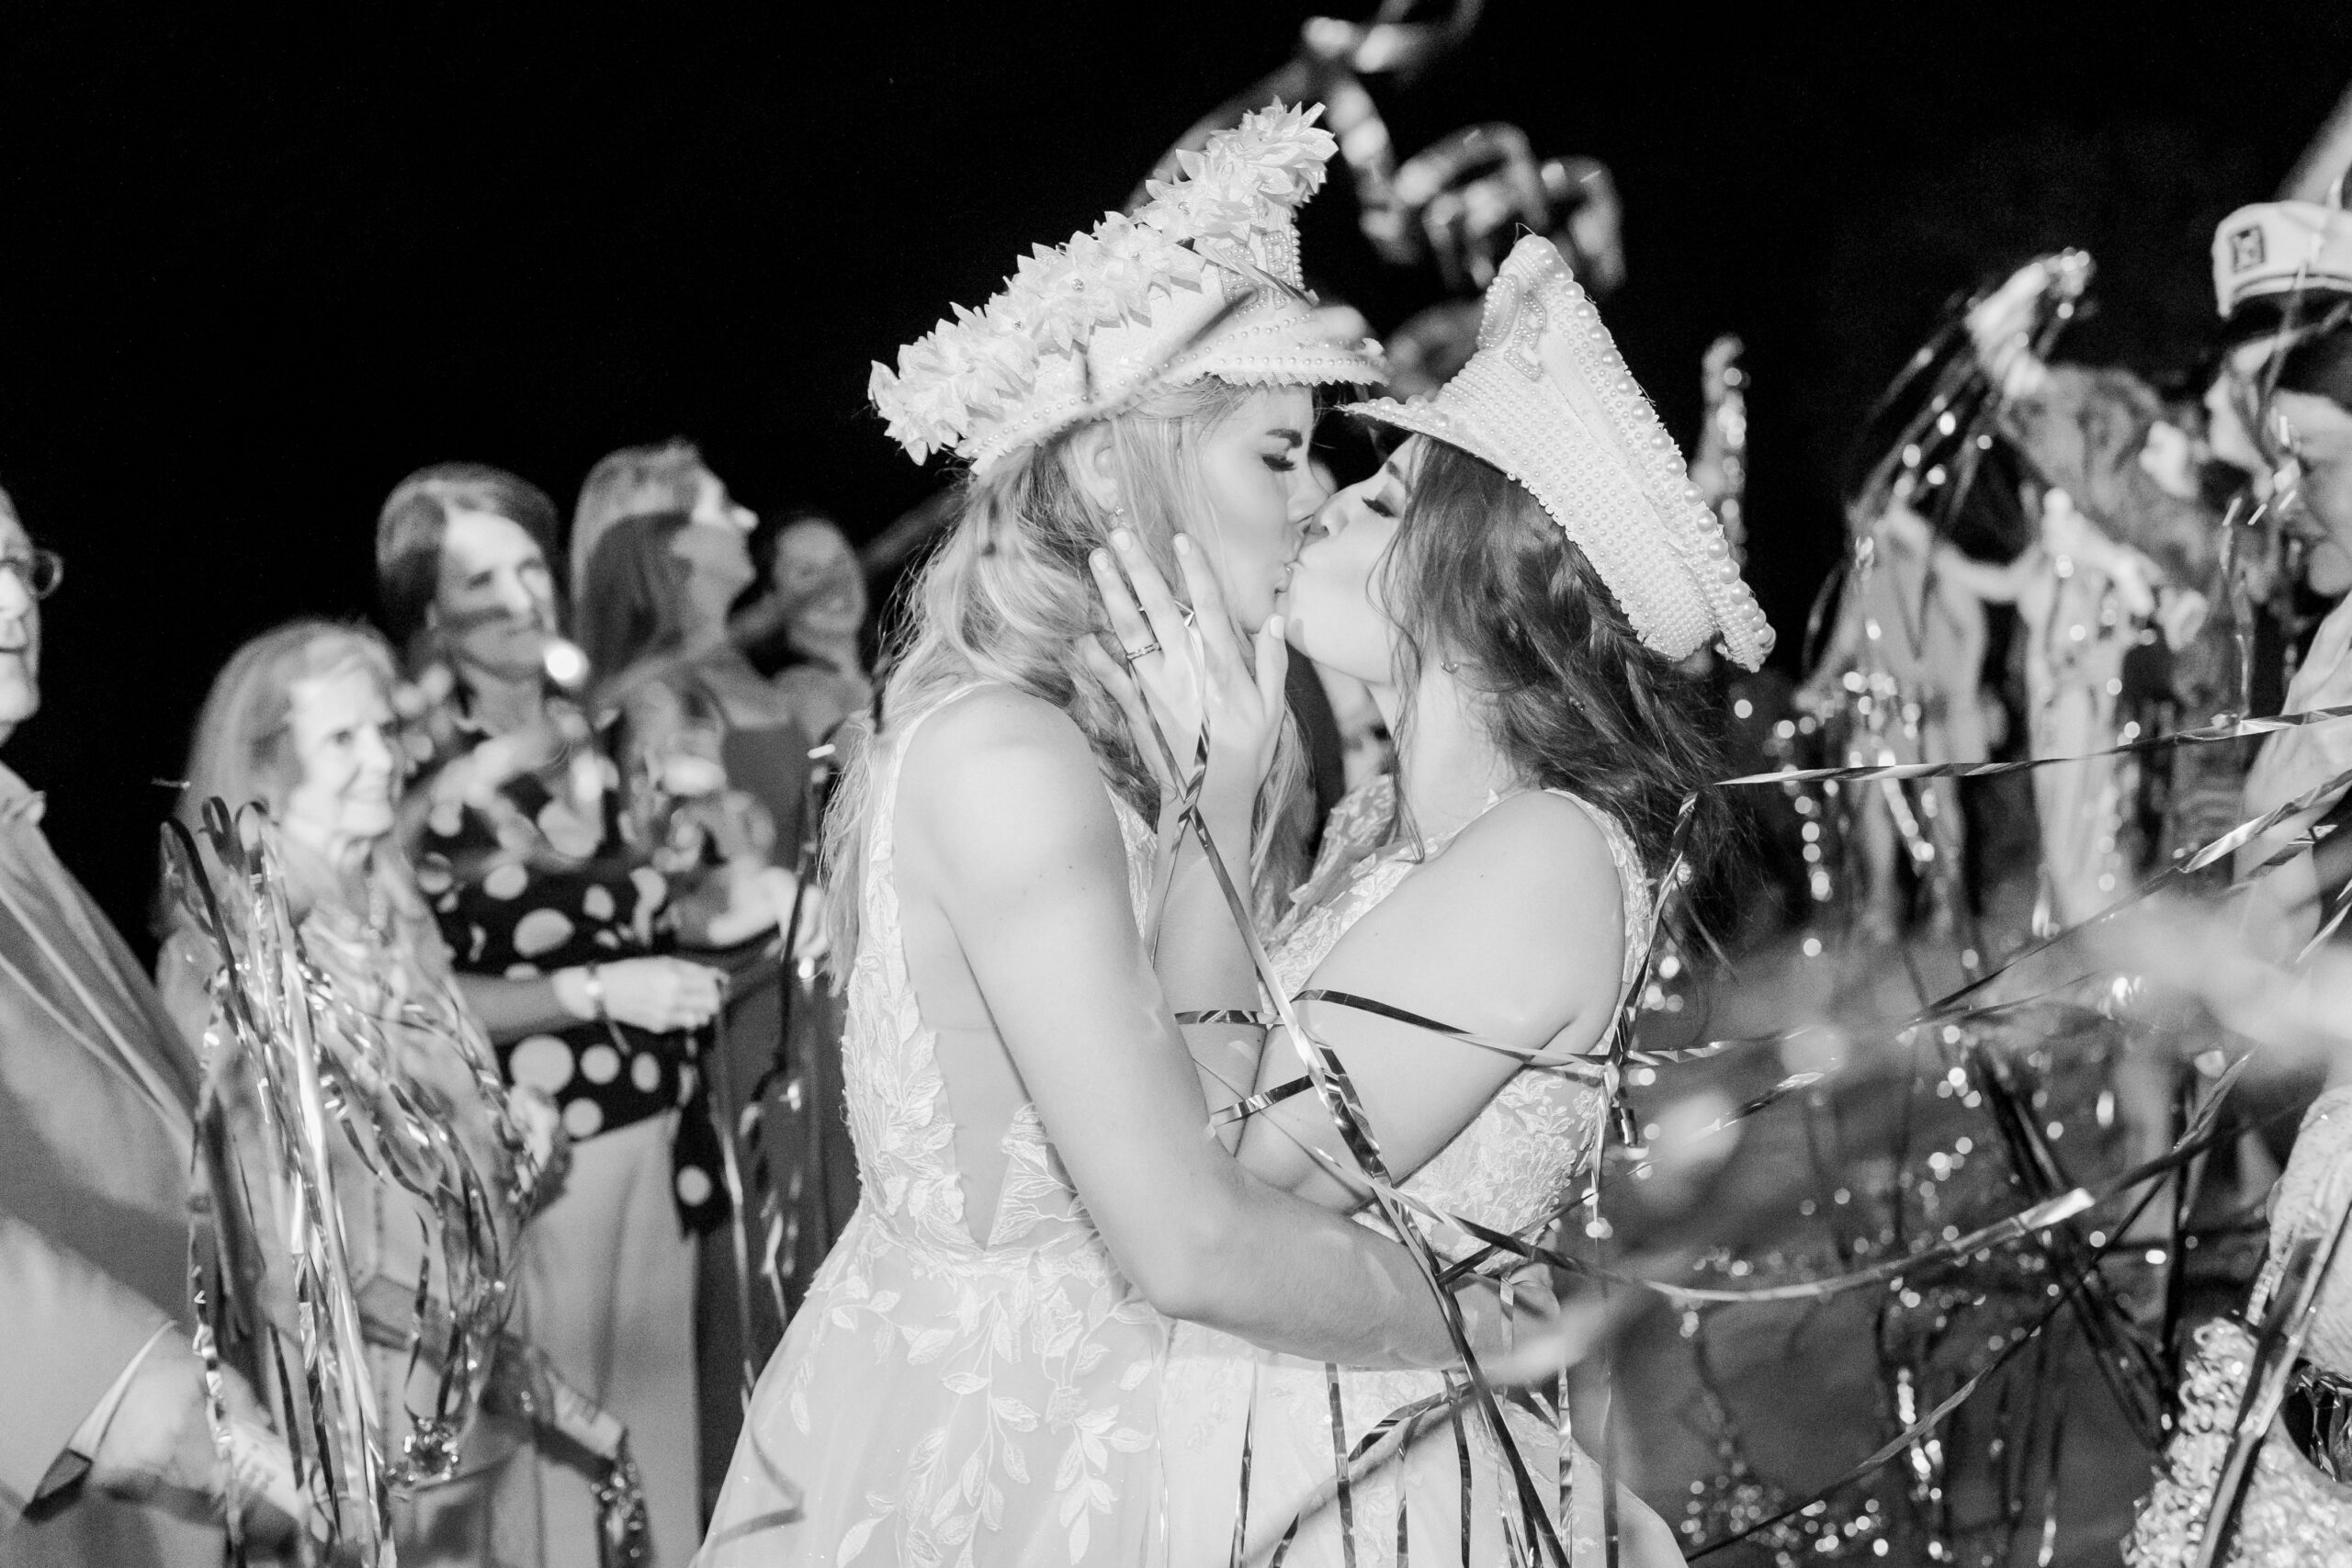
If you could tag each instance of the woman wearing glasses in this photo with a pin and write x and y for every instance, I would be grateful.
(27, 573)
(107, 1454)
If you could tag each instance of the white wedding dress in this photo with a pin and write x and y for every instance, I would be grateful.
(1450, 1500)
(948, 1394)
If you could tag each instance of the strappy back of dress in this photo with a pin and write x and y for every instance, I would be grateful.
(896, 1091)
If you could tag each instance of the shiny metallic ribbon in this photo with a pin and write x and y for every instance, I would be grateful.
(1338, 1094)
(2018, 1339)
(2276, 1347)
(271, 1002)
(1955, 1005)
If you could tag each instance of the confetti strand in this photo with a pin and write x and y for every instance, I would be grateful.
(1336, 1092)
(1936, 1418)
(325, 1073)
(1328, 1079)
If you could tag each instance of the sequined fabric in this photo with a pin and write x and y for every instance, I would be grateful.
(2293, 1514)
(1514, 1166)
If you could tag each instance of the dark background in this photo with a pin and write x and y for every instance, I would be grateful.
(254, 269)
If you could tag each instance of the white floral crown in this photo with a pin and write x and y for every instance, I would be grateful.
(1203, 279)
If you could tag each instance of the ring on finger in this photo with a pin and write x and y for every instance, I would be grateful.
(1150, 647)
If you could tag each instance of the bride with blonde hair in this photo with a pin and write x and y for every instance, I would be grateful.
(973, 1378)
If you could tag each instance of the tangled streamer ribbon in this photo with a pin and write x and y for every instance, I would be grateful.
(1328, 1079)
(326, 1075)
(1338, 1094)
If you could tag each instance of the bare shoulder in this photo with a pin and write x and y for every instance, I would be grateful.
(997, 735)
(1544, 845)
(1531, 882)
(999, 772)
(1515, 929)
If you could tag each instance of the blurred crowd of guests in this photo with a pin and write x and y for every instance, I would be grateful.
(542, 834)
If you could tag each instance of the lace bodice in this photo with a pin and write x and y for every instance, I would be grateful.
(898, 1096)
(948, 1394)
(1512, 1168)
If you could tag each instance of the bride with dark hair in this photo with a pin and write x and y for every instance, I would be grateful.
(1521, 586)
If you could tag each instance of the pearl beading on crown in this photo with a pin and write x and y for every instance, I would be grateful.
(1548, 400)
(1135, 304)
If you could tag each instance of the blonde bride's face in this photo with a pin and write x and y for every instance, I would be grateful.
(1260, 490)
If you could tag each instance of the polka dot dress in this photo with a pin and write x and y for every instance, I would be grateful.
(530, 873)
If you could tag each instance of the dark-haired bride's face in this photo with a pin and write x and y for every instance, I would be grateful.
(1333, 604)
(1260, 489)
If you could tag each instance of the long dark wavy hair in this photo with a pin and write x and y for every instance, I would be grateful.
(1479, 576)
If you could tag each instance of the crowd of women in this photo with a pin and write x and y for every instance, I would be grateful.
(536, 836)
(527, 844)
(1201, 1144)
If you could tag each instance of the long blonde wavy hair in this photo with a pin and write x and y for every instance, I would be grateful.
(1007, 599)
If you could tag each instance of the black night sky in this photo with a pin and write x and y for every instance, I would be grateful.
(255, 267)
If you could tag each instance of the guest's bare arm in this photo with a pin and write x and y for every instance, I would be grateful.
(659, 994)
